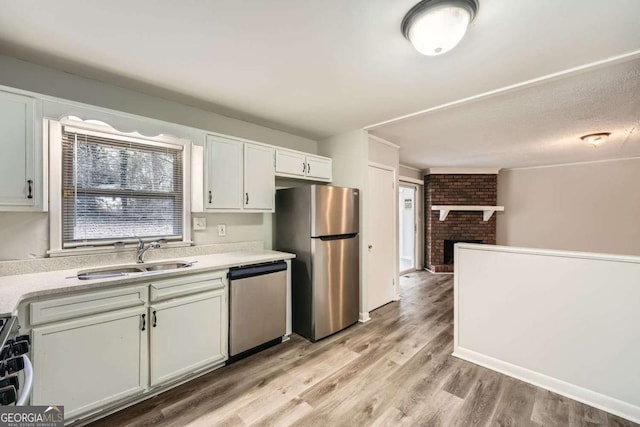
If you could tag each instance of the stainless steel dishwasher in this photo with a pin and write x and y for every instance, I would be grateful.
(257, 306)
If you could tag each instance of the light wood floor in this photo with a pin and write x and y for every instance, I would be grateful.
(394, 370)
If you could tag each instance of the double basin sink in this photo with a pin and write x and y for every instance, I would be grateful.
(131, 269)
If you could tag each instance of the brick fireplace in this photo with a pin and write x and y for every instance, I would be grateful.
(468, 226)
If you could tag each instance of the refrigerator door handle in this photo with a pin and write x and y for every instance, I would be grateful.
(338, 236)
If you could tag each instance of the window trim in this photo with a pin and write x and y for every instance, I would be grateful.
(54, 130)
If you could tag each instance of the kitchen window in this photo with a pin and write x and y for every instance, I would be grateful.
(116, 189)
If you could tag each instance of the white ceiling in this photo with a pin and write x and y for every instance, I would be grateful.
(538, 124)
(315, 68)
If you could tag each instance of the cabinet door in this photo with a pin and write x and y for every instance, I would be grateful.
(187, 334)
(319, 168)
(224, 173)
(17, 163)
(290, 163)
(87, 363)
(259, 177)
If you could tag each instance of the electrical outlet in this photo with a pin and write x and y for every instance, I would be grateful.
(222, 230)
(199, 224)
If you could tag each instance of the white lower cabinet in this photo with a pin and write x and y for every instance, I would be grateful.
(187, 334)
(118, 345)
(90, 362)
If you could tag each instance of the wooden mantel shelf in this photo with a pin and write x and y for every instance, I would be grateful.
(487, 211)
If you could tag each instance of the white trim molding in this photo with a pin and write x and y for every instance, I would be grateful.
(462, 171)
(364, 317)
(410, 180)
(410, 167)
(561, 165)
(589, 397)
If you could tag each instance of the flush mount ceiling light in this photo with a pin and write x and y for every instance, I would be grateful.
(595, 139)
(437, 26)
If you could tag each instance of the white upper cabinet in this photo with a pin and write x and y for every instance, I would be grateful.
(319, 168)
(259, 178)
(291, 163)
(223, 187)
(20, 164)
(294, 164)
(240, 176)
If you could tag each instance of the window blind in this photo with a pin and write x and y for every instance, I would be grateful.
(118, 190)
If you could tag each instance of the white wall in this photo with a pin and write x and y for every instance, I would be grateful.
(349, 152)
(24, 75)
(25, 235)
(565, 321)
(382, 153)
(409, 172)
(593, 207)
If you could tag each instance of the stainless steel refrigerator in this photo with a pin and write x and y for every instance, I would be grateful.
(320, 224)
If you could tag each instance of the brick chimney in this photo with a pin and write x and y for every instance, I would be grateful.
(457, 189)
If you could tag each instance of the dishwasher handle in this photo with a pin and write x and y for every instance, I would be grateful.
(237, 273)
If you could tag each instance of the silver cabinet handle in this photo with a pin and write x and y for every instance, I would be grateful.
(30, 189)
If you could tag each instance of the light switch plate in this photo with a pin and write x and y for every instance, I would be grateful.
(222, 230)
(199, 224)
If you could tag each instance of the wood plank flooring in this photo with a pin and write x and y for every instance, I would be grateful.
(394, 370)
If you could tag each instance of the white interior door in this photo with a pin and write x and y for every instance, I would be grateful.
(381, 246)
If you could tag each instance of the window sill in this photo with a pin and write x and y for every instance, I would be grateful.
(93, 250)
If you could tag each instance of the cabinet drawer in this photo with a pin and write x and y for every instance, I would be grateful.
(85, 304)
(172, 288)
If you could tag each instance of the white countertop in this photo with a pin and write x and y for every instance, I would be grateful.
(14, 289)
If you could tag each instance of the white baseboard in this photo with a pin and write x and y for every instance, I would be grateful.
(589, 397)
(364, 317)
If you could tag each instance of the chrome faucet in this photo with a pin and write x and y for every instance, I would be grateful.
(142, 248)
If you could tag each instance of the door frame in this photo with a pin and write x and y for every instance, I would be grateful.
(364, 242)
(416, 235)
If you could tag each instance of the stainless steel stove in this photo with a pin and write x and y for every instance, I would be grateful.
(15, 366)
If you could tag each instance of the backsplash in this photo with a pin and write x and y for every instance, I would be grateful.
(38, 265)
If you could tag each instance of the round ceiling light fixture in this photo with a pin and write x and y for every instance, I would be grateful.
(437, 26)
(595, 139)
